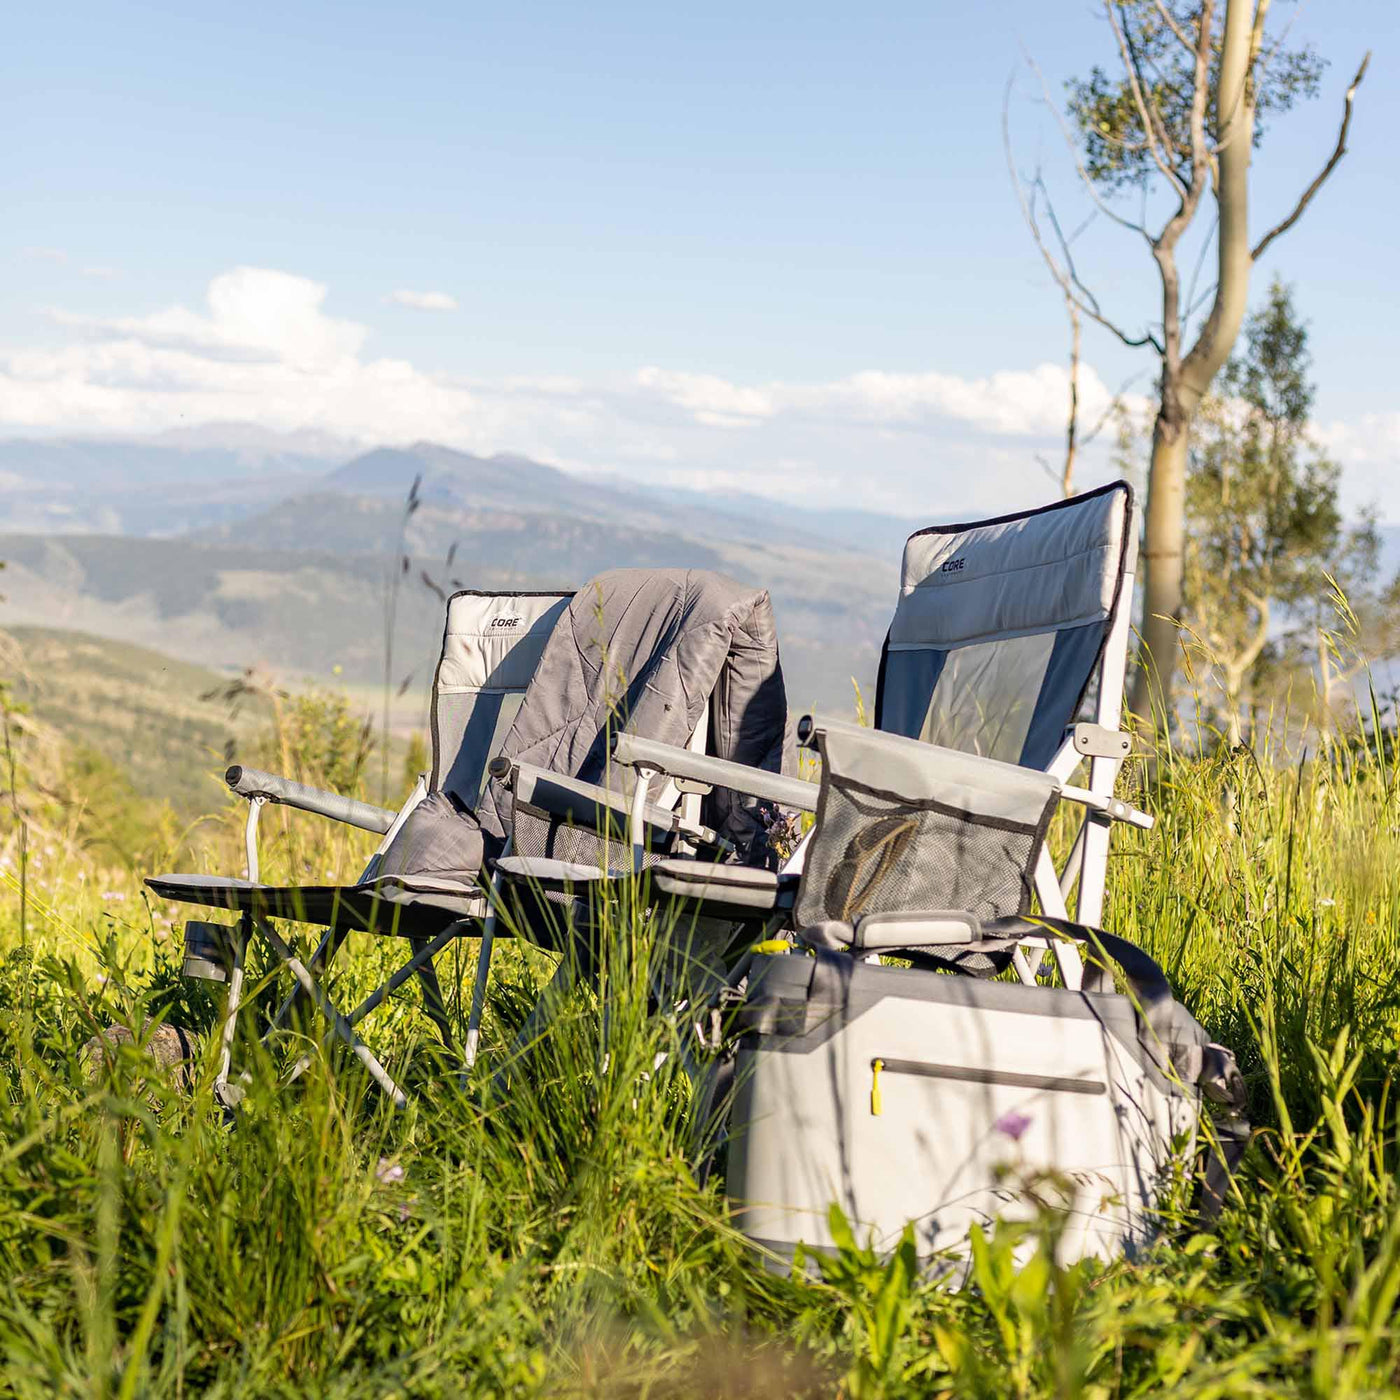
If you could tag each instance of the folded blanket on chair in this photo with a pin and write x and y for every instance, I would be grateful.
(642, 649)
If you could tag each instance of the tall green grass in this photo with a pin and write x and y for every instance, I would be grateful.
(555, 1238)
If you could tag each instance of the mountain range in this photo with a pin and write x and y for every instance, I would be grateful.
(229, 547)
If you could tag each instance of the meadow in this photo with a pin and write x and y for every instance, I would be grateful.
(558, 1240)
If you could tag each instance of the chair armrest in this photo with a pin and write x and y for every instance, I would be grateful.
(252, 783)
(675, 762)
(589, 806)
(1110, 807)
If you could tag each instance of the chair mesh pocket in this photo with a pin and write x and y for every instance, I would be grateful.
(878, 853)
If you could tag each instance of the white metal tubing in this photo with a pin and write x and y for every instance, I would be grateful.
(250, 836)
(1105, 802)
(1052, 903)
(636, 822)
(1026, 968)
(1073, 861)
(239, 936)
(338, 1023)
(1064, 763)
(324, 949)
(1103, 772)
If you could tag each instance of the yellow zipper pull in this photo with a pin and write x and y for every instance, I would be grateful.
(876, 1106)
(772, 945)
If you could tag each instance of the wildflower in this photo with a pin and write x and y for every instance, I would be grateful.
(388, 1172)
(1013, 1125)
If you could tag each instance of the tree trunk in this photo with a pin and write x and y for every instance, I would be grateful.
(1185, 384)
(1164, 539)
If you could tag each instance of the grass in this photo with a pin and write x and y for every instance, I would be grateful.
(556, 1240)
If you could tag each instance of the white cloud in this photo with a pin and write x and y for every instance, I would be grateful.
(1369, 449)
(265, 351)
(1012, 402)
(53, 255)
(425, 301)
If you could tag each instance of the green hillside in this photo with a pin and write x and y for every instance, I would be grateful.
(149, 715)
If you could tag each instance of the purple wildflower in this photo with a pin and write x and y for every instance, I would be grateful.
(1013, 1125)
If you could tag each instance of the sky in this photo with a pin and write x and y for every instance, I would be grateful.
(761, 247)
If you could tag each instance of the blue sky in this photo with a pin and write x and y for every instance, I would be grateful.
(772, 246)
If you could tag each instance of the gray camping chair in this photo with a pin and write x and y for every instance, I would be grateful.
(530, 677)
(694, 653)
(492, 643)
(1003, 629)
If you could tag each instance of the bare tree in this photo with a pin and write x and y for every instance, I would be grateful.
(1181, 113)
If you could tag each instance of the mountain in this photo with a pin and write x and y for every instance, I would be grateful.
(192, 479)
(232, 549)
(159, 486)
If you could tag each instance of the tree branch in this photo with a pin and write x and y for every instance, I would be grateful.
(1312, 189)
(1182, 36)
(1115, 406)
(1157, 142)
(1094, 195)
(1255, 646)
(1064, 272)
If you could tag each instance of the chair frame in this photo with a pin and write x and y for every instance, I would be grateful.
(1101, 742)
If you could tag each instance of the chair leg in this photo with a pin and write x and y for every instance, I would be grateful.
(227, 1096)
(338, 1023)
(483, 971)
(326, 949)
(433, 1002)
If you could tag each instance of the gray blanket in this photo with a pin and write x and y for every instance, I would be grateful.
(638, 649)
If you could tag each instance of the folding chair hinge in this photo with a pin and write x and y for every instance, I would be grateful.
(691, 785)
(1097, 741)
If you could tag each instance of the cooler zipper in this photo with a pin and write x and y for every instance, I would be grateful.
(1064, 1084)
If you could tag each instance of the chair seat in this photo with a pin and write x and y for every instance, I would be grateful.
(555, 875)
(737, 891)
(387, 906)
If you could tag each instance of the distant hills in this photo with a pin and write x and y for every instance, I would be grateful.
(228, 547)
(148, 715)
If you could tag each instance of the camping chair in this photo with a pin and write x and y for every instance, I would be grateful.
(912, 1097)
(511, 666)
(1002, 629)
(645, 652)
(492, 643)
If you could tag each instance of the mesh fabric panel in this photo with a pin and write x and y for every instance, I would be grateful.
(875, 853)
(985, 699)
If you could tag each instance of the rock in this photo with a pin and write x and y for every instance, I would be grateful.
(172, 1048)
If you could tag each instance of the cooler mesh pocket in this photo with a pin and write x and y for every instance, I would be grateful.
(878, 853)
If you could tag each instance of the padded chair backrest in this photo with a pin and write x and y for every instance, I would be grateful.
(491, 646)
(904, 827)
(1001, 625)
